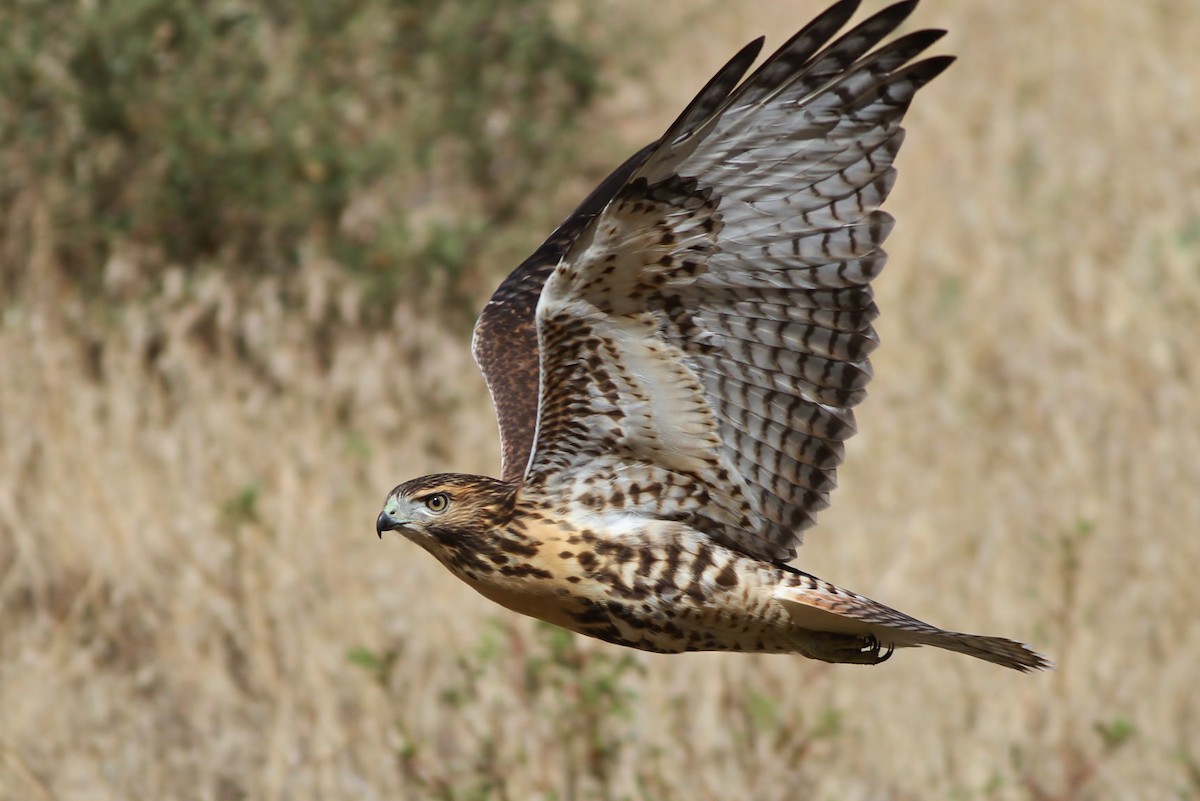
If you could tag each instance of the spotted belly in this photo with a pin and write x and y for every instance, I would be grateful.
(666, 594)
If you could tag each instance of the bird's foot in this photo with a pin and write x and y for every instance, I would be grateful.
(852, 649)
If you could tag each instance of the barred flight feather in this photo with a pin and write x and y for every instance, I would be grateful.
(743, 247)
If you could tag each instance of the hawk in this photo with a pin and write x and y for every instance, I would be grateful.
(675, 370)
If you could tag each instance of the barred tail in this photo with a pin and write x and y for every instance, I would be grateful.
(817, 605)
(997, 650)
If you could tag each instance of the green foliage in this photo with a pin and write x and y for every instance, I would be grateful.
(1115, 733)
(760, 720)
(533, 694)
(587, 695)
(379, 666)
(1080, 764)
(581, 699)
(242, 507)
(393, 135)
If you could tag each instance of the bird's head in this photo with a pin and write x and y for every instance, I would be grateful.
(441, 511)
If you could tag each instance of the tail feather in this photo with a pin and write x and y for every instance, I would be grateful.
(817, 605)
(996, 650)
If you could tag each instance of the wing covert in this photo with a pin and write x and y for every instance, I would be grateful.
(504, 342)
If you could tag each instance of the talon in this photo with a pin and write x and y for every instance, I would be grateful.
(873, 647)
(854, 649)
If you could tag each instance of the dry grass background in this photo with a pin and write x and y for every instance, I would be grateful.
(194, 604)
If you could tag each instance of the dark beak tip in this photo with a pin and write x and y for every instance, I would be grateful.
(382, 523)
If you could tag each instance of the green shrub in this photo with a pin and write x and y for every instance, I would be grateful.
(393, 136)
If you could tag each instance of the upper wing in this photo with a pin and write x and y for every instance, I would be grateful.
(704, 339)
(505, 339)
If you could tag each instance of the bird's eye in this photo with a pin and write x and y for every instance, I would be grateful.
(437, 502)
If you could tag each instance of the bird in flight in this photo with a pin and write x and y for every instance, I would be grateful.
(675, 369)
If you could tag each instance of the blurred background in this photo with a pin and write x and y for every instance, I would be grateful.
(242, 244)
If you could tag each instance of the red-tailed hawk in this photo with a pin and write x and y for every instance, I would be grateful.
(675, 370)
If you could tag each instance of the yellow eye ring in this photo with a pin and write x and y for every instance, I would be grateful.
(438, 502)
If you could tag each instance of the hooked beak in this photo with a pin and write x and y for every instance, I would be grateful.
(385, 522)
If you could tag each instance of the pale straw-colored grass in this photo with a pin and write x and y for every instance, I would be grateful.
(187, 490)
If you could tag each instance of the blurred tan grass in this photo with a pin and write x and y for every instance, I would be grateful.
(194, 605)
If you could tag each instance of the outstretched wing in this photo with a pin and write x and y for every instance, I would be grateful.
(505, 339)
(705, 338)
